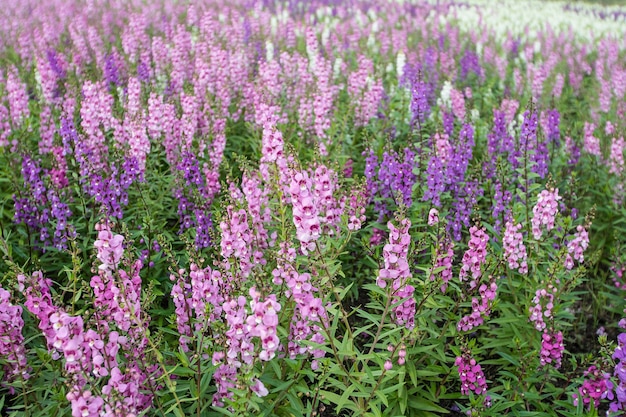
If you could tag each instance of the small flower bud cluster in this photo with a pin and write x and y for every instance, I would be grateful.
(475, 255)
(444, 258)
(471, 374)
(388, 365)
(514, 248)
(545, 211)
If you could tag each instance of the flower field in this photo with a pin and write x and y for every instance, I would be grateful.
(312, 208)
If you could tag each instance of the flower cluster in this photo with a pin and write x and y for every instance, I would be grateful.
(595, 387)
(354, 206)
(305, 212)
(514, 248)
(396, 270)
(619, 355)
(194, 211)
(576, 247)
(396, 267)
(591, 144)
(543, 305)
(41, 207)
(240, 350)
(435, 181)
(116, 349)
(237, 240)
(480, 308)
(263, 322)
(392, 179)
(309, 314)
(475, 255)
(544, 212)
(11, 339)
(551, 349)
(471, 374)
(616, 159)
(65, 338)
(201, 296)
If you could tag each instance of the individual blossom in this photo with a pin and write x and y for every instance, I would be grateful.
(258, 388)
(433, 217)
